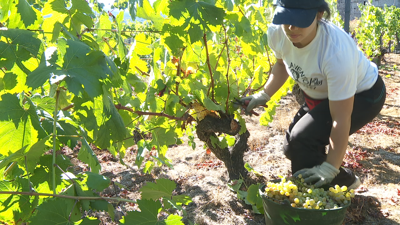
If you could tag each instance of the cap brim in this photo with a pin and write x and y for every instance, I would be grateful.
(296, 17)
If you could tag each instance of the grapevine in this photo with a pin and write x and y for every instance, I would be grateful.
(77, 76)
(377, 29)
(302, 195)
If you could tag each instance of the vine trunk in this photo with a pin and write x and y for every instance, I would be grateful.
(232, 156)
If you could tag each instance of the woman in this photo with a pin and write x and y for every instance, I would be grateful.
(342, 88)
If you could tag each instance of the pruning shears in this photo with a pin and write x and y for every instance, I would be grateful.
(243, 105)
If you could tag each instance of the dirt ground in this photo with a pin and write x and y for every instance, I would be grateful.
(373, 153)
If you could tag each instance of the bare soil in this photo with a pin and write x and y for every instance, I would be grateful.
(373, 153)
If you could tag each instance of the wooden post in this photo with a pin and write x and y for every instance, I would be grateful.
(347, 16)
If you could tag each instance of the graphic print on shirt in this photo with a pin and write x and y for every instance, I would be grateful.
(299, 76)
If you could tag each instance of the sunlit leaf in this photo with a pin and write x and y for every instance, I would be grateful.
(147, 12)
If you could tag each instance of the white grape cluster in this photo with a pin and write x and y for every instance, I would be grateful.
(301, 195)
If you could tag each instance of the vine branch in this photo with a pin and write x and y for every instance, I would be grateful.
(178, 74)
(227, 70)
(2, 69)
(109, 46)
(142, 72)
(66, 196)
(65, 174)
(93, 29)
(219, 56)
(55, 139)
(141, 113)
(266, 80)
(183, 118)
(27, 173)
(209, 69)
(68, 107)
(124, 31)
(269, 72)
(72, 210)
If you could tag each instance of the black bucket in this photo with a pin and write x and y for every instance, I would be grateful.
(284, 214)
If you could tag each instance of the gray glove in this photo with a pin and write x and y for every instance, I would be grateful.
(321, 174)
(259, 99)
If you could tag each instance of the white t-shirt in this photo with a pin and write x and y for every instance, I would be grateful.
(330, 66)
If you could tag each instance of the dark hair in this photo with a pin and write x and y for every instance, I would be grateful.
(325, 8)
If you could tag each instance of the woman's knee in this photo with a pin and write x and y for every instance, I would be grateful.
(292, 142)
(286, 151)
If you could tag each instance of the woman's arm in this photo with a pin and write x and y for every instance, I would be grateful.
(275, 81)
(328, 170)
(277, 78)
(341, 122)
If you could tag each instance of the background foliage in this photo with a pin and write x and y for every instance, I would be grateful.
(75, 75)
(377, 32)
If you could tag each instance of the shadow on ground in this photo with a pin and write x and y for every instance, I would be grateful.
(366, 210)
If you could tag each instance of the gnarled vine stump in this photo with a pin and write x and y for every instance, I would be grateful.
(231, 156)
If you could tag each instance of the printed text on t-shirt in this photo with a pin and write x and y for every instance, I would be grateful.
(299, 76)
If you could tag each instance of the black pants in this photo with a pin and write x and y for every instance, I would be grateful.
(308, 134)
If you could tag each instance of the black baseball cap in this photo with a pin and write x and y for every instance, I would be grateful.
(299, 13)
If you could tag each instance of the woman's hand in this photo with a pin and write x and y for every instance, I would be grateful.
(255, 100)
(320, 174)
(276, 79)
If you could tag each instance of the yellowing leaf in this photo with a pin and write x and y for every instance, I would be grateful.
(200, 110)
(147, 12)
(137, 65)
(142, 45)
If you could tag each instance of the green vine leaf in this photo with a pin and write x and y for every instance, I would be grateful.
(8, 202)
(113, 128)
(84, 69)
(87, 155)
(12, 157)
(174, 43)
(97, 182)
(11, 110)
(147, 215)
(204, 12)
(21, 45)
(89, 221)
(34, 153)
(195, 33)
(254, 198)
(41, 74)
(82, 6)
(43, 173)
(71, 75)
(57, 211)
(16, 128)
(133, 7)
(164, 136)
(57, 6)
(28, 14)
(173, 220)
(163, 188)
(182, 199)
(220, 142)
